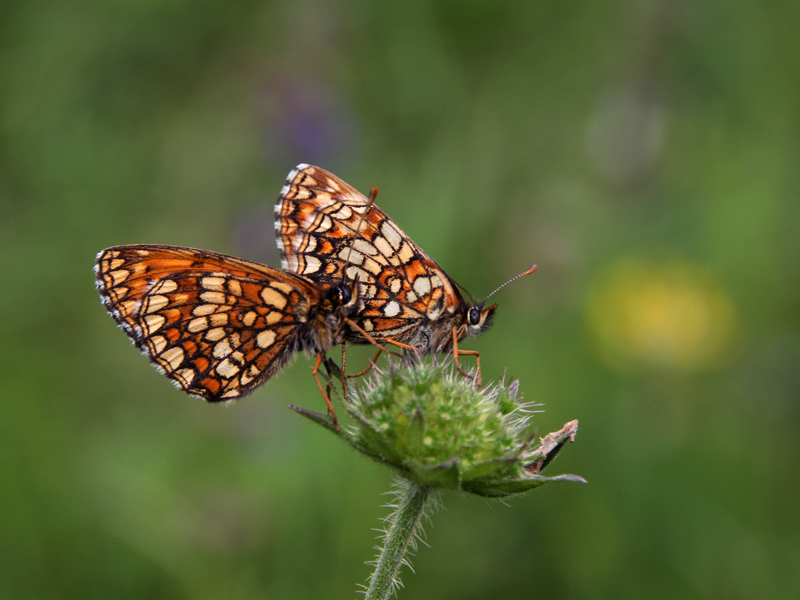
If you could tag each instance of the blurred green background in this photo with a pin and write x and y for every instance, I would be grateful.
(645, 154)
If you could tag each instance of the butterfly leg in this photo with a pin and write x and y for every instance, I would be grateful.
(372, 340)
(325, 396)
(333, 370)
(380, 351)
(344, 377)
(400, 345)
(380, 348)
(475, 353)
(371, 364)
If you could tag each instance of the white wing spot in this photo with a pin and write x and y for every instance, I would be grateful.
(422, 285)
(198, 324)
(405, 253)
(383, 246)
(156, 303)
(392, 309)
(159, 343)
(391, 234)
(372, 266)
(343, 213)
(215, 334)
(364, 247)
(213, 297)
(273, 297)
(352, 257)
(213, 283)
(234, 339)
(203, 309)
(227, 369)
(222, 348)
(265, 338)
(219, 319)
(234, 287)
(312, 265)
(173, 357)
(119, 276)
(153, 323)
(165, 286)
(283, 287)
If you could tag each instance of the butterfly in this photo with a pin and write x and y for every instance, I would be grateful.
(216, 325)
(328, 231)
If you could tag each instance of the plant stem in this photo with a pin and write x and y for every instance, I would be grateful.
(403, 524)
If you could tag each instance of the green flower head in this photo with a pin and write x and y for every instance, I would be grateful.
(434, 426)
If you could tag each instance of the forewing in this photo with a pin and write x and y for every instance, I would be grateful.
(216, 325)
(317, 226)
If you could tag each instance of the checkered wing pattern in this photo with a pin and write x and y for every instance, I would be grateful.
(216, 325)
(400, 287)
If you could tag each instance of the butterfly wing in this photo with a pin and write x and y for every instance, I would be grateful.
(216, 325)
(317, 226)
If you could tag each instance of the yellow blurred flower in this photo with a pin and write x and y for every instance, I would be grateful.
(669, 314)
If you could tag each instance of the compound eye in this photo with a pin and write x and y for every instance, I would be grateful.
(474, 316)
(345, 294)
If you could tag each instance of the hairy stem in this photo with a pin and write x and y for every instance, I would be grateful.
(402, 525)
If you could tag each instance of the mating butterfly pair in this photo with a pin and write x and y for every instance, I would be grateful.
(219, 326)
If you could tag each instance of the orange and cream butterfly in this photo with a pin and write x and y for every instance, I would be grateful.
(328, 231)
(216, 325)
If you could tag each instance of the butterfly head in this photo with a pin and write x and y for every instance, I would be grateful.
(343, 297)
(479, 318)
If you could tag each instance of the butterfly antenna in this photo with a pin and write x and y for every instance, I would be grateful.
(465, 290)
(372, 195)
(530, 270)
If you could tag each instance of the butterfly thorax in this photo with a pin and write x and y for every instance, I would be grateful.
(325, 321)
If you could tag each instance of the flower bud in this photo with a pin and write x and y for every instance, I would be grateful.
(435, 427)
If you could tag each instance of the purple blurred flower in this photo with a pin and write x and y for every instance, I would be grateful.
(307, 122)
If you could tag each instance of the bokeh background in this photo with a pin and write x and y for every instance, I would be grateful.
(645, 154)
